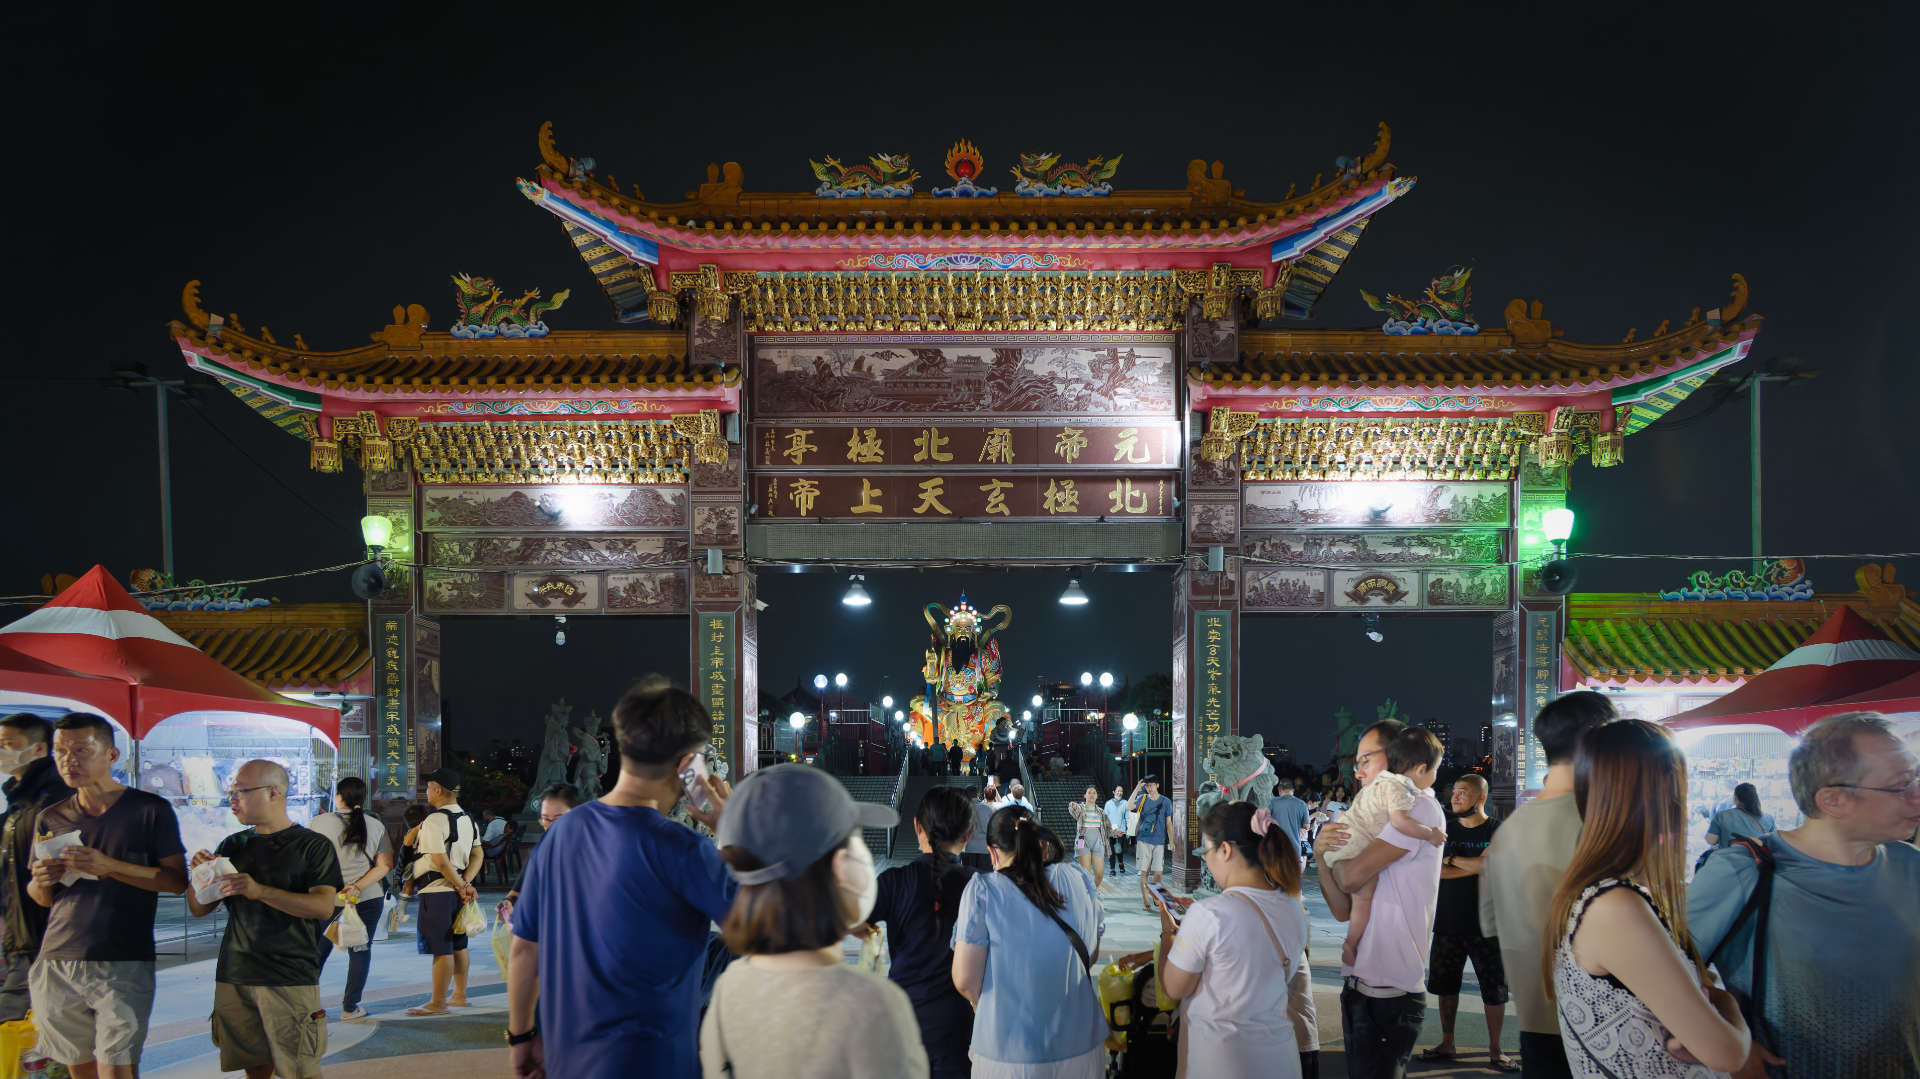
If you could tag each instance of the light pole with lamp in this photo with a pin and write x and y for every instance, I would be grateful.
(798, 721)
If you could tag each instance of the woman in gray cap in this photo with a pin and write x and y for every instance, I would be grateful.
(794, 1008)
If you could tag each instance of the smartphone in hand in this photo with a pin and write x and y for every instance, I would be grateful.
(694, 779)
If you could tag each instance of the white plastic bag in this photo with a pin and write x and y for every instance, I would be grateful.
(352, 932)
(502, 944)
(471, 921)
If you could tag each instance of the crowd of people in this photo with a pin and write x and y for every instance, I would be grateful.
(1789, 953)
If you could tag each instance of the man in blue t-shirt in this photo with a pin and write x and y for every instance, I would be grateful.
(612, 925)
(1290, 814)
(1150, 850)
(1842, 986)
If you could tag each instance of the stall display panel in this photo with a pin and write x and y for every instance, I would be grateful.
(190, 761)
(1719, 762)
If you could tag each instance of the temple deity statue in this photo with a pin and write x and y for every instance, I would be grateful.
(962, 676)
(554, 750)
(591, 764)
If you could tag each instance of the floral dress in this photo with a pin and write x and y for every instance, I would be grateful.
(1609, 1033)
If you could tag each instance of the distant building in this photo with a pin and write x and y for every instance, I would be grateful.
(1443, 732)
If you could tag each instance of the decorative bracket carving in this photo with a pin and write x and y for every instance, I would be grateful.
(713, 292)
(1216, 286)
(703, 430)
(1225, 429)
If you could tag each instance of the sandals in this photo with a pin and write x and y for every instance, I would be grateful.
(1434, 1055)
(1504, 1063)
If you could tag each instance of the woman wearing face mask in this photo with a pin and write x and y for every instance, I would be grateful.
(793, 1008)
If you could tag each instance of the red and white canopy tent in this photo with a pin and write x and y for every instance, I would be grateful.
(94, 631)
(1847, 665)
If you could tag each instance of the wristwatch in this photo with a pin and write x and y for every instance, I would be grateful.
(522, 1039)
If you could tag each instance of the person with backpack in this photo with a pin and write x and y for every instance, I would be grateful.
(918, 903)
(1237, 956)
(365, 854)
(1815, 929)
(1023, 949)
(443, 876)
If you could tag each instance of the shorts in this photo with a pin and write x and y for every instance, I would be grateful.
(1095, 844)
(1150, 857)
(435, 924)
(92, 1010)
(258, 1025)
(1448, 960)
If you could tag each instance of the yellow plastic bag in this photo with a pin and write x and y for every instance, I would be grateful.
(502, 944)
(16, 1038)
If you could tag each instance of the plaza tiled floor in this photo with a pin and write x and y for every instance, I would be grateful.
(178, 1047)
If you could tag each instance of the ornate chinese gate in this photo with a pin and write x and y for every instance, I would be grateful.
(1049, 372)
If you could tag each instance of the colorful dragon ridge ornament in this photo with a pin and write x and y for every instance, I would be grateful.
(1042, 174)
(889, 176)
(1443, 310)
(962, 673)
(1782, 580)
(482, 313)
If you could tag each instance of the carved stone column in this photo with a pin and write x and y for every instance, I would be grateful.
(1206, 694)
(395, 642)
(725, 625)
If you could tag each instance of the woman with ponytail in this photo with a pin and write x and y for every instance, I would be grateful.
(1634, 998)
(1023, 953)
(1239, 959)
(919, 903)
(365, 854)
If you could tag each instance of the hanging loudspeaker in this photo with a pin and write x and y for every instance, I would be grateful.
(1557, 576)
(369, 580)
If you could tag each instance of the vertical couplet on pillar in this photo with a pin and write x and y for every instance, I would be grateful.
(392, 619)
(724, 626)
(1206, 690)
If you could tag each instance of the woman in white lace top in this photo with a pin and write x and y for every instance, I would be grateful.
(1635, 1002)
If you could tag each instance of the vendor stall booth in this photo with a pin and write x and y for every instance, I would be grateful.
(186, 721)
(1848, 665)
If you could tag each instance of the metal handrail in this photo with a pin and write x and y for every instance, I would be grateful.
(899, 789)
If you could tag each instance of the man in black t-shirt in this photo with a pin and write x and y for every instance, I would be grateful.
(92, 987)
(1456, 925)
(267, 1017)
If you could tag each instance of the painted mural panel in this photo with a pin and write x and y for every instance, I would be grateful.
(453, 550)
(1486, 586)
(717, 525)
(1451, 547)
(464, 592)
(1211, 522)
(964, 376)
(1376, 588)
(570, 508)
(1285, 589)
(1396, 504)
(647, 592)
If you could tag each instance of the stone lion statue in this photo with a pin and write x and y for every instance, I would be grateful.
(1238, 772)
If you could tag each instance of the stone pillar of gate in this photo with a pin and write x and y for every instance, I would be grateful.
(1527, 639)
(1206, 694)
(724, 627)
(401, 641)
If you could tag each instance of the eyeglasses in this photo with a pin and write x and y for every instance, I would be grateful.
(1907, 790)
(235, 792)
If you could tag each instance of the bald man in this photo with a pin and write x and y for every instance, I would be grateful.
(267, 1018)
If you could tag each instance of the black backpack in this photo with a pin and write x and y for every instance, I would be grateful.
(412, 854)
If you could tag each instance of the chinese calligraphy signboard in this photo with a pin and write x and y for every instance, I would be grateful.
(944, 446)
(1541, 666)
(1212, 679)
(717, 637)
(979, 495)
(390, 737)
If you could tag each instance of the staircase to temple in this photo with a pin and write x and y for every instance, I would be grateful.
(1052, 800)
(877, 789)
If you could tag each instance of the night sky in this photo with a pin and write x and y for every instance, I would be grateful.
(1617, 162)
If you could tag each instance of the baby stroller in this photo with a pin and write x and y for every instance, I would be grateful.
(1140, 1033)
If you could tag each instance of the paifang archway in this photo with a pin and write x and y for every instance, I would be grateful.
(885, 370)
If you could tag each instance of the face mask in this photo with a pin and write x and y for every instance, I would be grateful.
(858, 880)
(11, 759)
